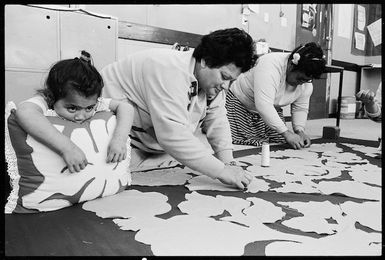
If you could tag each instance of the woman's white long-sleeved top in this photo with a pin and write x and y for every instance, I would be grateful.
(169, 107)
(264, 87)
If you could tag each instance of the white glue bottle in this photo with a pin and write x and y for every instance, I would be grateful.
(265, 157)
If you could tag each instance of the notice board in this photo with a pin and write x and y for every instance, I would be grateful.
(367, 23)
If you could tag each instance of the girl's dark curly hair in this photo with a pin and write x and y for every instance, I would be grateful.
(226, 46)
(68, 75)
(311, 61)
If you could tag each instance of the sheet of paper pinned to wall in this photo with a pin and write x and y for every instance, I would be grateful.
(344, 22)
(266, 17)
(283, 21)
(359, 40)
(361, 17)
(375, 32)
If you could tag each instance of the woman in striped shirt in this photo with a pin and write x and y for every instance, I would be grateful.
(255, 100)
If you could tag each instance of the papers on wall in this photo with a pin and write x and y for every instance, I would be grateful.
(283, 21)
(359, 41)
(361, 17)
(375, 32)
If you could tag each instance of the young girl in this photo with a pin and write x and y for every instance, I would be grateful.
(72, 92)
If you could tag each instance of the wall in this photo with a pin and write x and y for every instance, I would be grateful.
(202, 19)
(126, 47)
(36, 38)
(341, 51)
(342, 45)
(266, 23)
(199, 19)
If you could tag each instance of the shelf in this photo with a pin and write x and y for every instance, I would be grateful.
(331, 69)
(371, 66)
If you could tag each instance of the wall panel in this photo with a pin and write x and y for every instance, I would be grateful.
(96, 35)
(199, 19)
(31, 37)
(36, 37)
(267, 24)
(21, 85)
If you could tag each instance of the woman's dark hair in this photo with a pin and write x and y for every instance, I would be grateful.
(226, 46)
(68, 75)
(311, 60)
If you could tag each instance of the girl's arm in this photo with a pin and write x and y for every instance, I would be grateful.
(30, 117)
(117, 148)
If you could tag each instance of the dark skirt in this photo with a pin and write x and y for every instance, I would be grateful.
(248, 128)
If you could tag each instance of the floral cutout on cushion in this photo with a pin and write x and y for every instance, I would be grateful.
(39, 177)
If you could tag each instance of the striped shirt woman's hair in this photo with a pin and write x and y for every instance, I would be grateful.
(308, 58)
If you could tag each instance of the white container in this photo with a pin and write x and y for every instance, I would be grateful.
(265, 157)
(348, 107)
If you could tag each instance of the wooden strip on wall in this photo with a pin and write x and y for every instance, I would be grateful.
(277, 50)
(140, 32)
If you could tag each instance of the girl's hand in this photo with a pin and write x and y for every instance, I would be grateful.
(74, 158)
(116, 151)
(235, 176)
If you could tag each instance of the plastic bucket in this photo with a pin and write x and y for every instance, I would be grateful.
(348, 107)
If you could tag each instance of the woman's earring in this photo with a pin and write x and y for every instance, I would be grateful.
(203, 63)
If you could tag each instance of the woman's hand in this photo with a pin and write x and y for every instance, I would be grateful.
(294, 140)
(235, 176)
(366, 96)
(304, 138)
